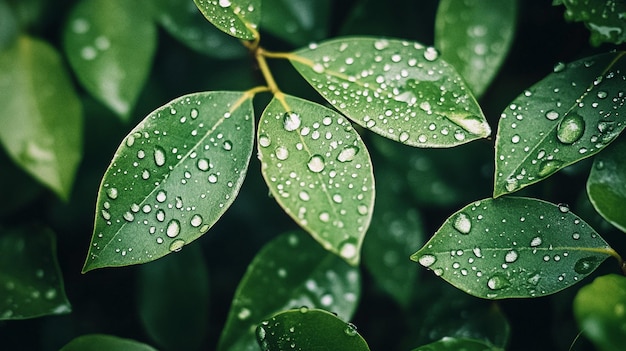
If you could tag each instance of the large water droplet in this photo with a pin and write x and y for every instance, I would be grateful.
(316, 164)
(548, 167)
(159, 156)
(281, 153)
(291, 121)
(536, 241)
(559, 67)
(462, 223)
(431, 54)
(350, 329)
(347, 154)
(511, 256)
(497, 282)
(585, 265)
(427, 260)
(264, 140)
(203, 164)
(173, 228)
(112, 193)
(348, 250)
(196, 221)
(161, 196)
(552, 115)
(571, 128)
(177, 245)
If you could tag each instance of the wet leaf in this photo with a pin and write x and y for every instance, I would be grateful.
(513, 247)
(454, 344)
(42, 115)
(297, 21)
(182, 281)
(238, 18)
(298, 272)
(111, 64)
(172, 178)
(600, 309)
(571, 114)
(99, 342)
(605, 19)
(319, 171)
(31, 284)
(475, 37)
(605, 185)
(400, 90)
(308, 329)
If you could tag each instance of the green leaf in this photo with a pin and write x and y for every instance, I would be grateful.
(600, 310)
(238, 18)
(99, 342)
(475, 37)
(400, 90)
(605, 185)
(513, 247)
(454, 344)
(571, 114)
(308, 329)
(111, 64)
(319, 171)
(8, 26)
(297, 21)
(172, 178)
(605, 19)
(298, 272)
(31, 284)
(42, 116)
(173, 298)
(182, 20)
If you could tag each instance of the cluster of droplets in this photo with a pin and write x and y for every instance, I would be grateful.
(215, 9)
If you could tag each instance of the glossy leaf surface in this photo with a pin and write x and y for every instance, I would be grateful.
(99, 342)
(308, 329)
(571, 114)
(475, 36)
(172, 178)
(605, 19)
(297, 272)
(297, 21)
(238, 18)
(400, 90)
(319, 171)
(605, 185)
(112, 65)
(455, 344)
(31, 284)
(513, 247)
(42, 115)
(600, 312)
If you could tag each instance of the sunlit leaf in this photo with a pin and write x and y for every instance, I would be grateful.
(605, 185)
(172, 178)
(297, 272)
(238, 18)
(475, 36)
(605, 19)
(99, 342)
(111, 64)
(319, 170)
(173, 298)
(455, 344)
(31, 284)
(571, 114)
(400, 90)
(600, 309)
(297, 21)
(41, 115)
(308, 329)
(513, 247)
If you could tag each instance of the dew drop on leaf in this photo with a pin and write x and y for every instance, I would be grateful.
(559, 67)
(548, 167)
(498, 282)
(196, 221)
(427, 260)
(291, 121)
(350, 329)
(570, 129)
(177, 245)
(159, 156)
(316, 164)
(347, 154)
(462, 223)
(536, 241)
(264, 140)
(585, 265)
(552, 115)
(173, 228)
(161, 196)
(281, 153)
(511, 256)
(112, 193)
(203, 164)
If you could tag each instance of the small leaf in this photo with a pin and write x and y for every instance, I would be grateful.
(605, 185)
(454, 344)
(42, 115)
(31, 284)
(571, 114)
(238, 18)
(172, 178)
(308, 329)
(98, 342)
(298, 272)
(319, 170)
(400, 90)
(600, 310)
(605, 19)
(298, 21)
(513, 247)
(111, 64)
(475, 37)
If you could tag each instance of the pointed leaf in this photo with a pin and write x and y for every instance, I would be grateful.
(299, 273)
(238, 18)
(571, 114)
(31, 284)
(513, 247)
(605, 19)
(308, 329)
(319, 170)
(111, 64)
(172, 178)
(400, 90)
(298, 21)
(42, 116)
(475, 37)
(99, 342)
(454, 344)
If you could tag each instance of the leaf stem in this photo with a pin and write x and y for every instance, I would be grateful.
(265, 70)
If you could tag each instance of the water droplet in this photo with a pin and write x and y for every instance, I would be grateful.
(498, 282)
(564, 208)
(228, 145)
(585, 265)
(548, 167)
(160, 215)
(264, 140)
(304, 309)
(431, 54)
(203, 164)
(177, 245)
(261, 333)
(348, 250)
(347, 154)
(576, 236)
(571, 128)
(350, 329)
(552, 115)
(159, 156)
(225, 3)
(161, 196)
(324, 217)
(316, 163)
(173, 228)
(304, 196)
(112, 193)
(427, 260)
(128, 216)
(281, 153)
(511, 184)
(337, 198)
(559, 67)
(511, 256)
(536, 241)
(212, 178)
(291, 121)
(362, 209)
(462, 223)
(515, 139)
(602, 94)
(196, 221)
(404, 136)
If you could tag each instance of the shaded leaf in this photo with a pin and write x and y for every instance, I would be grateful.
(42, 116)
(475, 37)
(513, 247)
(99, 342)
(238, 18)
(298, 272)
(308, 329)
(454, 344)
(297, 21)
(605, 19)
(31, 284)
(571, 114)
(319, 170)
(172, 178)
(8, 26)
(111, 64)
(400, 90)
